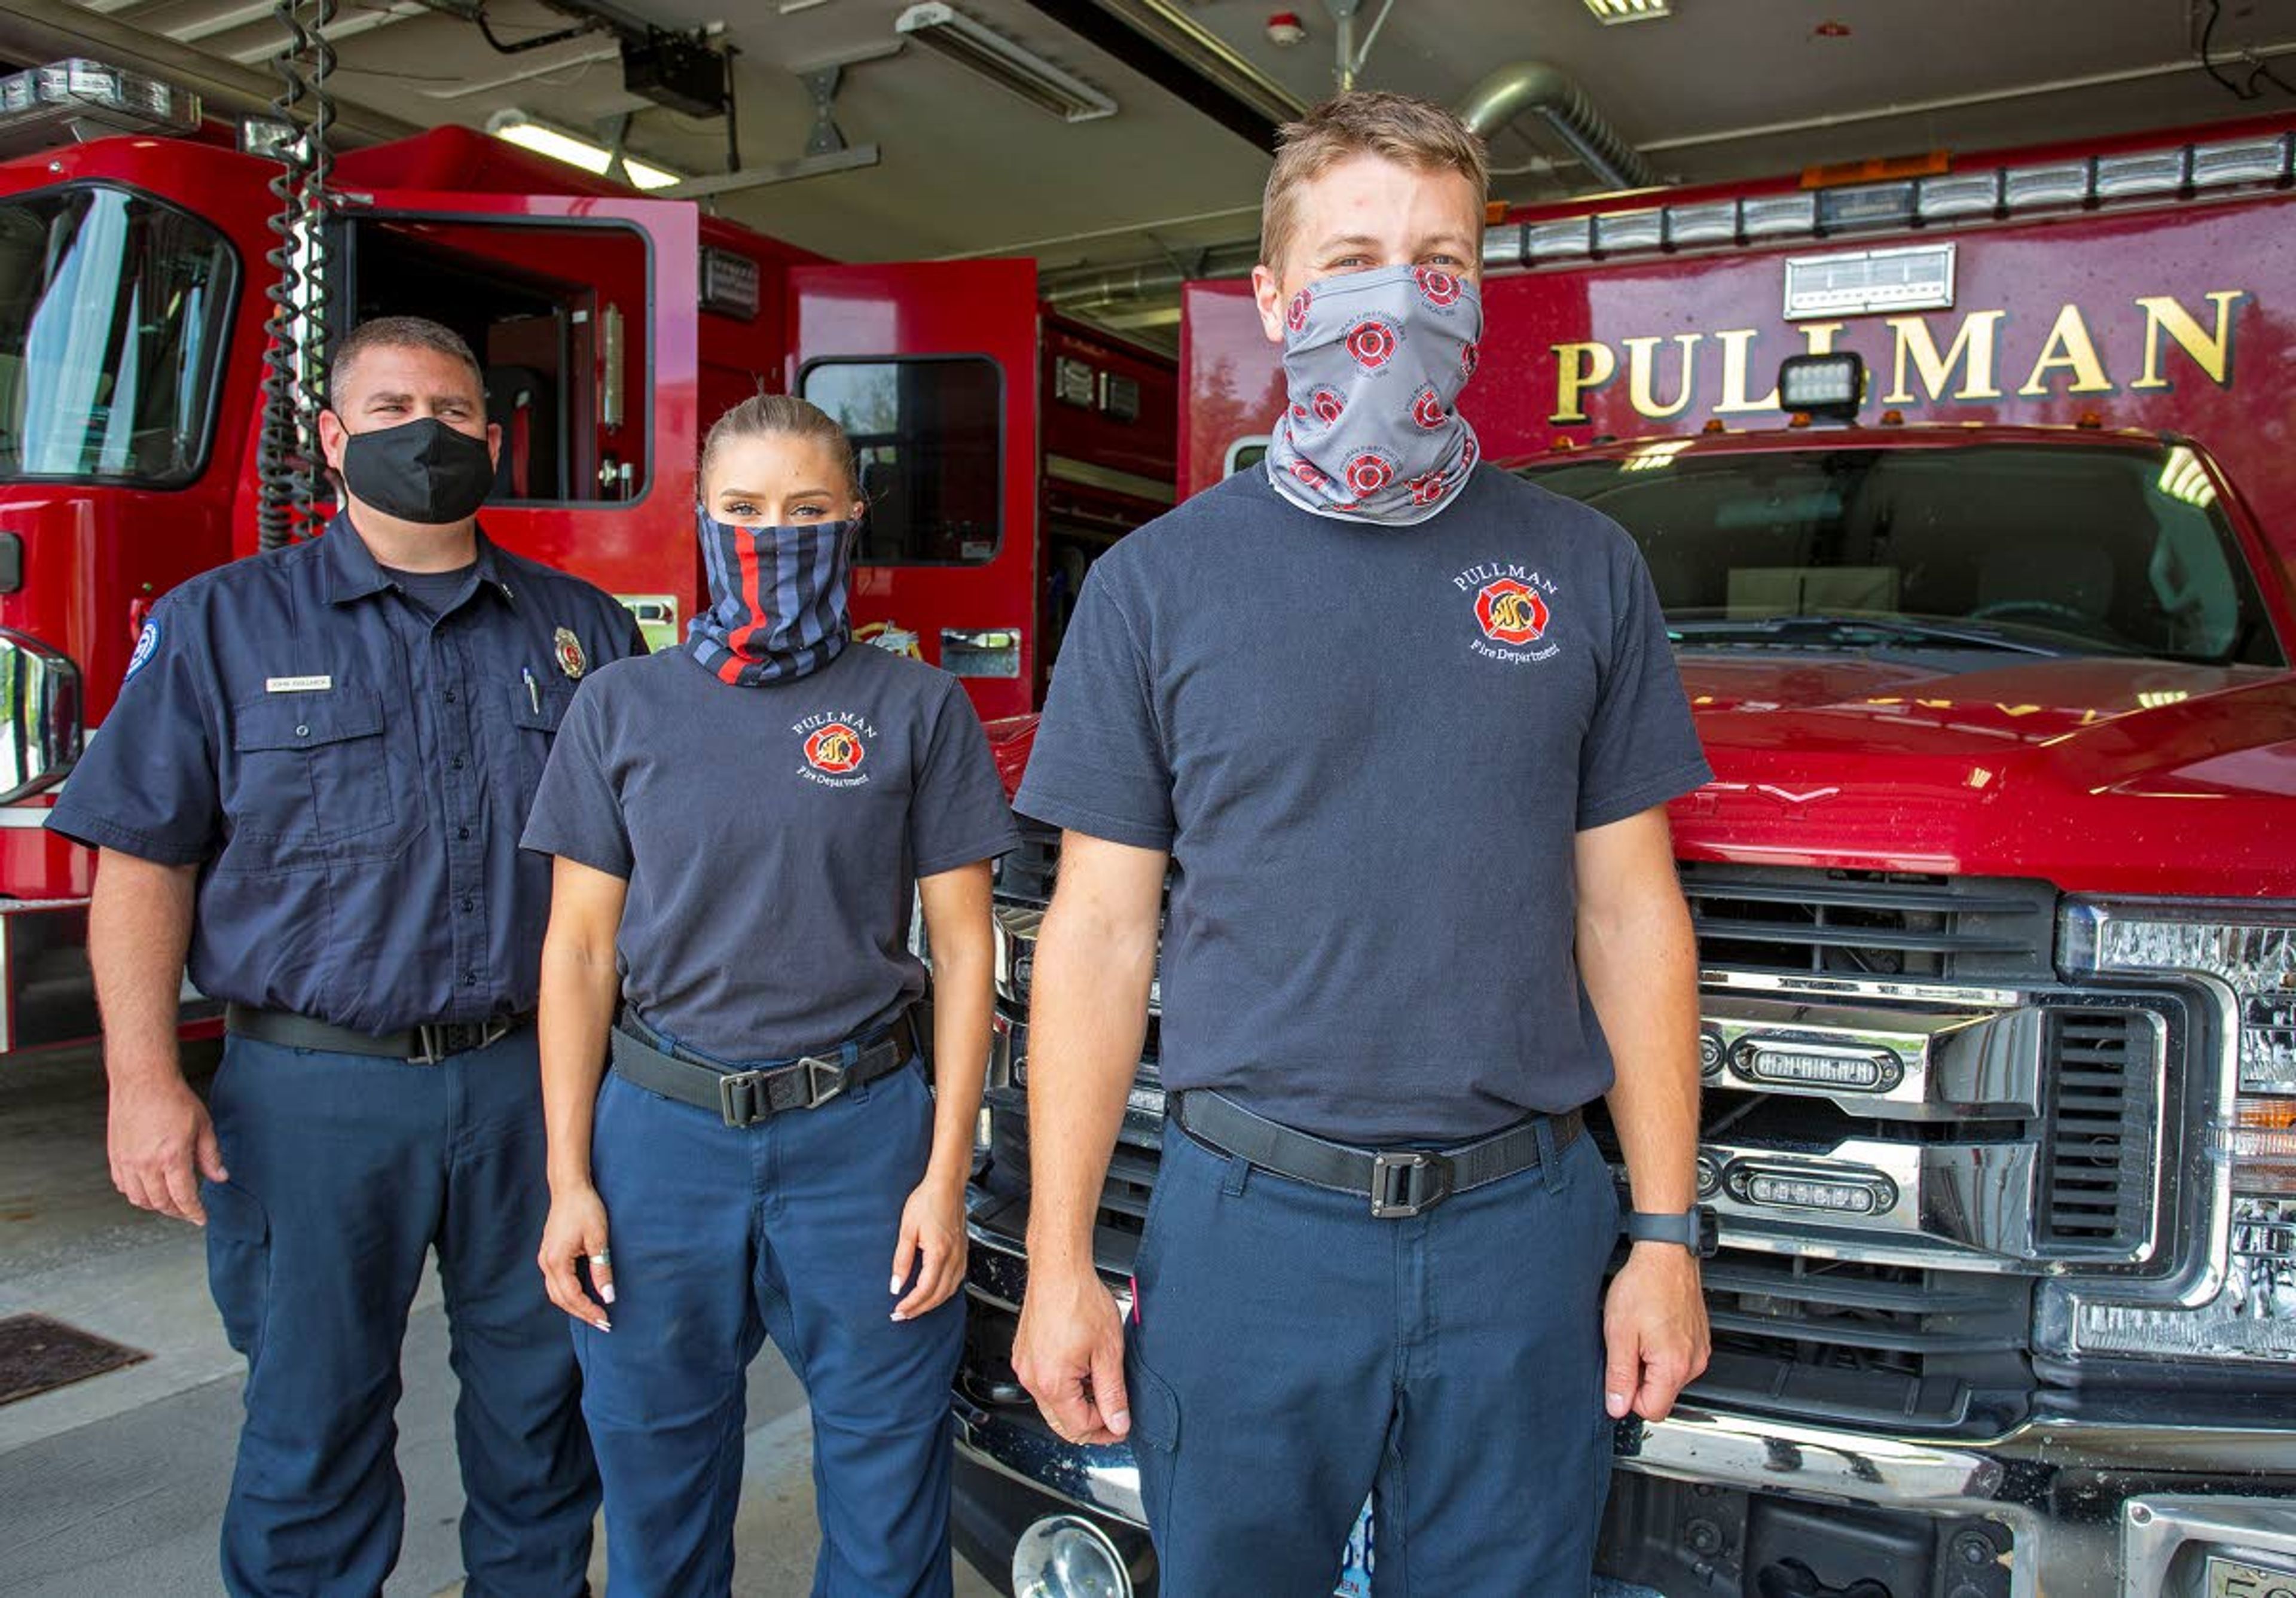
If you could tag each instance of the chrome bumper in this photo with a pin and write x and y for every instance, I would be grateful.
(2141, 1547)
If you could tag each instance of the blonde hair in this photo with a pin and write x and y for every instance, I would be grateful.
(783, 416)
(1412, 132)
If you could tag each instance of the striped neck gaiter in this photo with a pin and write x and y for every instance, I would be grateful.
(777, 600)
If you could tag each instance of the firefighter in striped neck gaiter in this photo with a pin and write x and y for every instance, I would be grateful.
(776, 598)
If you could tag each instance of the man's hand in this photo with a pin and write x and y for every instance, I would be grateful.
(161, 1142)
(1654, 1327)
(1069, 1354)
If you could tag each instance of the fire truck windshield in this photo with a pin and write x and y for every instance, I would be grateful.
(114, 310)
(2071, 549)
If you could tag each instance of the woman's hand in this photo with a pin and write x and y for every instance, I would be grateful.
(932, 1244)
(576, 1231)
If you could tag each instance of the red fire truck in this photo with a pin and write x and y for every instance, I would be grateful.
(1995, 886)
(1001, 445)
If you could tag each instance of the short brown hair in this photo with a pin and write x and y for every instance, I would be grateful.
(783, 415)
(1415, 133)
(399, 333)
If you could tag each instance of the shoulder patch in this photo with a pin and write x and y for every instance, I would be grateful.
(147, 645)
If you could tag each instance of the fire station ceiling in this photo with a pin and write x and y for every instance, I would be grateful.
(1716, 90)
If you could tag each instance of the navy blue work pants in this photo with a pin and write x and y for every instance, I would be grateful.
(722, 1236)
(1293, 1355)
(345, 1171)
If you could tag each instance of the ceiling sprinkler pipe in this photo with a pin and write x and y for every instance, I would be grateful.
(1556, 98)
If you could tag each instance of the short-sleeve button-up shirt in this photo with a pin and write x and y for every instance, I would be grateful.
(351, 774)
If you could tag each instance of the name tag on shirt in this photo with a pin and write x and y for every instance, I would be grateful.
(297, 685)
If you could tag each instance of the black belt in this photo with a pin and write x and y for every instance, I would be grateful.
(424, 1045)
(1399, 1182)
(746, 1097)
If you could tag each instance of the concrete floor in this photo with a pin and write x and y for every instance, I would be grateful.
(113, 1488)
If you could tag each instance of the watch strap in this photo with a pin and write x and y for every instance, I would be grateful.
(1669, 1226)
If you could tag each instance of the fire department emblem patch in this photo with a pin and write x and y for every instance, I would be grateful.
(835, 749)
(568, 650)
(147, 645)
(1510, 611)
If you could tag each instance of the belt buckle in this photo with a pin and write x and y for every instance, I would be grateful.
(819, 1070)
(1401, 1185)
(742, 1097)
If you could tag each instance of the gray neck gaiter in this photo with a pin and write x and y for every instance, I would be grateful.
(1374, 362)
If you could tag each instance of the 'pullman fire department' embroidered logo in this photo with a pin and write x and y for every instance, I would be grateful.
(1510, 611)
(835, 749)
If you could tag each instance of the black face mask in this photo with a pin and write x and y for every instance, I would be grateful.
(420, 471)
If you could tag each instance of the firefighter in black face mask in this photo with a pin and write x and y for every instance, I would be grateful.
(310, 792)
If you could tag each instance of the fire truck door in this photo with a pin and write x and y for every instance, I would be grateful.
(931, 369)
(582, 314)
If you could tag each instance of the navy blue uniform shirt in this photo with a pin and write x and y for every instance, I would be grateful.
(350, 774)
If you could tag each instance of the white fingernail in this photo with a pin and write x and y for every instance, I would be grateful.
(604, 1325)
(606, 1291)
(895, 1287)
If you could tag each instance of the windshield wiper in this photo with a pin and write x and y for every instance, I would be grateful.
(1806, 629)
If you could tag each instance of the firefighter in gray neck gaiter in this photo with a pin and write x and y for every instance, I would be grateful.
(1374, 362)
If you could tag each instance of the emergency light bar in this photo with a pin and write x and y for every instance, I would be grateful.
(1899, 204)
(979, 49)
(52, 104)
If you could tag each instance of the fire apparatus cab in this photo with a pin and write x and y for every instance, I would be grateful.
(1000, 445)
(1995, 886)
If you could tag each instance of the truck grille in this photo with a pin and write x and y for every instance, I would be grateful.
(1924, 1350)
(2097, 1157)
(1869, 924)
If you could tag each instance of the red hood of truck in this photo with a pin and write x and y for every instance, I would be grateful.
(2098, 774)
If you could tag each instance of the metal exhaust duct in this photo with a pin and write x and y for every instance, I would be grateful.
(1558, 101)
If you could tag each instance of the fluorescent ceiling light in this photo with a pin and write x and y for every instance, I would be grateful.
(1607, 12)
(517, 128)
(948, 31)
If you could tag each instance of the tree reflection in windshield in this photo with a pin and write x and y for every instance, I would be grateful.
(113, 313)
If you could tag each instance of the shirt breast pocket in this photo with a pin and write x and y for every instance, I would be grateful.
(535, 713)
(312, 769)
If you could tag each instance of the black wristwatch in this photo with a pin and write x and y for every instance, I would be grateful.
(1693, 1228)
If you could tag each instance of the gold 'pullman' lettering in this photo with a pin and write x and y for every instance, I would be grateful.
(1664, 371)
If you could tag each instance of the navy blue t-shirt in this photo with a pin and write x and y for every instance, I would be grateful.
(771, 838)
(1369, 750)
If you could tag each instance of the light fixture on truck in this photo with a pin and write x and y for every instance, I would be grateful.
(2244, 951)
(1832, 386)
(50, 104)
(1611, 13)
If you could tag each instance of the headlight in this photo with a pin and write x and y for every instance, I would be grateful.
(2248, 1143)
